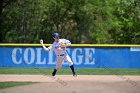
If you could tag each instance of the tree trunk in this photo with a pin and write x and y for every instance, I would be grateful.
(1, 6)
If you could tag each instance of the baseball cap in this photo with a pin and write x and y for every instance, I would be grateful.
(55, 35)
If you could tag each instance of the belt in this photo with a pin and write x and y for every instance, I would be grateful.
(61, 55)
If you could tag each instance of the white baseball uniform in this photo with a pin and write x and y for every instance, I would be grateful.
(61, 53)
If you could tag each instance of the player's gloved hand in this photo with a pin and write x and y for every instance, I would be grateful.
(41, 41)
(62, 45)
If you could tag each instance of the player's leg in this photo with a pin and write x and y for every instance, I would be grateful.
(54, 72)
(68, 59)
(58, 65)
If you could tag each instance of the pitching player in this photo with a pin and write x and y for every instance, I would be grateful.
(59, 47)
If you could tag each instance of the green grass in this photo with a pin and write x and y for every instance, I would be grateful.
(80, 71)
(12, 84)
(24, 70)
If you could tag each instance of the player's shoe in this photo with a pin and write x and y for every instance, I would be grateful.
(53, 77)
(75, 75)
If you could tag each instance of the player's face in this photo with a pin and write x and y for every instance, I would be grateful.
(56, 39)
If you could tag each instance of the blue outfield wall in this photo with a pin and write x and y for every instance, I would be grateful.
(82, 56)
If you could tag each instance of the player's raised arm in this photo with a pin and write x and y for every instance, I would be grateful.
(65, 43)
(47, 49)
(68, 43)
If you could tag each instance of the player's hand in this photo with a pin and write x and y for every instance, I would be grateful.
(62, 45)
(41, 41)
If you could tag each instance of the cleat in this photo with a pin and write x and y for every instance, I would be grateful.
(75, 75)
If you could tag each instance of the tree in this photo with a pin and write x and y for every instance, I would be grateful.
(125, 23)
(80, 21)
(22, 23)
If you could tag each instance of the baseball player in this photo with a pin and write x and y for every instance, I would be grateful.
(59, 47)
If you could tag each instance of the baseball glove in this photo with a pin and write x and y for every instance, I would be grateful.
(62, 45)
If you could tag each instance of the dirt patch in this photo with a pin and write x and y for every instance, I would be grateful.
(70, 84)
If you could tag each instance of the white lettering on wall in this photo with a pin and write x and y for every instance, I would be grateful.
(34, 56)
(39, 57)
(29, 59)
(75, 56)
(14, 56)
(134, 49)
(89, 59)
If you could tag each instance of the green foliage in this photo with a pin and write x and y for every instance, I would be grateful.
(80, 21)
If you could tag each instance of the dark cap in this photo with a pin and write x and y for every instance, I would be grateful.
(55, 35)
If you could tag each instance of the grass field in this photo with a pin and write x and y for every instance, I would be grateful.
(67, 71)
(12, 84)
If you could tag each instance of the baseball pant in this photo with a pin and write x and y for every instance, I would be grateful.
(60, 59)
